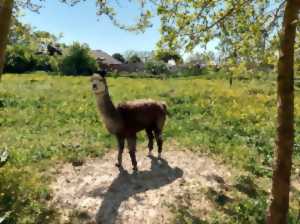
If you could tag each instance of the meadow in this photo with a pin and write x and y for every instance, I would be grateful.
(48, 120)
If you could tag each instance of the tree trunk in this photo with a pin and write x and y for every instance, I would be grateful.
(5, 18)
(278, 210)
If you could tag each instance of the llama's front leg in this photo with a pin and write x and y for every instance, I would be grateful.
(121, 143)
(132, 149)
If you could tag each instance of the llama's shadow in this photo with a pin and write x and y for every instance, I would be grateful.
(126, 185)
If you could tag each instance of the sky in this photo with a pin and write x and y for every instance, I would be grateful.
(80, 23)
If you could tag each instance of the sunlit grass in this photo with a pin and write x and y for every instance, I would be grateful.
(48, 119)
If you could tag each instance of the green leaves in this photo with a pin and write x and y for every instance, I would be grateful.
(245, 29)
(78, 61)
(165, 55)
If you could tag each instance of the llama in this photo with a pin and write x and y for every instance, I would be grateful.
(125, 120)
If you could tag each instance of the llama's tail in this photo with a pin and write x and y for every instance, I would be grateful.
(166, 109)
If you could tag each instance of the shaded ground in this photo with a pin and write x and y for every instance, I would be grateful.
(98, 193)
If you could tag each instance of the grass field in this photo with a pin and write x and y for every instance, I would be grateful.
(48, 120)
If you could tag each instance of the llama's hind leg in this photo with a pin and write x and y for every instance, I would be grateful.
(132, 149)
(150, 143)
(121, 142)
(159, 141)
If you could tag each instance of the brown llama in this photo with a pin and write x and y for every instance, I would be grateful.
(125, 120)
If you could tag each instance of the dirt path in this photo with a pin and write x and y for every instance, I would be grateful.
(98, 193)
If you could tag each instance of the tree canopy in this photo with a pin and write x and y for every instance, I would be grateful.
(167, 55)
(143, 55)
(246, 30)
(119, 57)
(134, 59)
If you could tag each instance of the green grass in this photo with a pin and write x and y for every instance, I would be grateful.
(46, 120)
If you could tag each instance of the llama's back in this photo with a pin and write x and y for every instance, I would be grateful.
(142, 114)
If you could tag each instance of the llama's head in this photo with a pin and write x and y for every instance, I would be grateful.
(98, 84)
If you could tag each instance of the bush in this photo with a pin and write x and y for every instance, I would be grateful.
(21, 58)
(54, 64)
(18, 59)
(134, 59)
(23, 198)
(78, 61)
(41, 63)
(156, 67)
(191, 70)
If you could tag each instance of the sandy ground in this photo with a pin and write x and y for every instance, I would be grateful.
(97, 192)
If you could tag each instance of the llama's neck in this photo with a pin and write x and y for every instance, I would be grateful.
(110, 115)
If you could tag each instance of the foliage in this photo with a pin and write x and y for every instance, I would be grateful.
(119, 57)
(134, 59)
(23, 198)
(249, 211)
(183, 215)
(143, 55)
(246, 31)
(54, 63)
(191, 70)
(167, 55)
(297, 53)
(19, 33)
(78, 61)
(31, 50)
(156, 67)
(232, 205)
(42, 63)
(27, 49)
(21, 58)
(18, 59)
(205, 58)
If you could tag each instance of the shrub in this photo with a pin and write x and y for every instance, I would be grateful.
(54, 63)
(41, 63)
(156, 67)
(134, 59)
(191, 70)
(45, 62)
(21, 58)
(23, 198)
(18, 59)
(78, 61)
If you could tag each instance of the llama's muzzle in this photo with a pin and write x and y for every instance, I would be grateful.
(94, 87)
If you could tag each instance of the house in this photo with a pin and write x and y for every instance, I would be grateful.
(132, 67)
(105, 60)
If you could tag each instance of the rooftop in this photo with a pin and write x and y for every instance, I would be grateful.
(105, 58)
